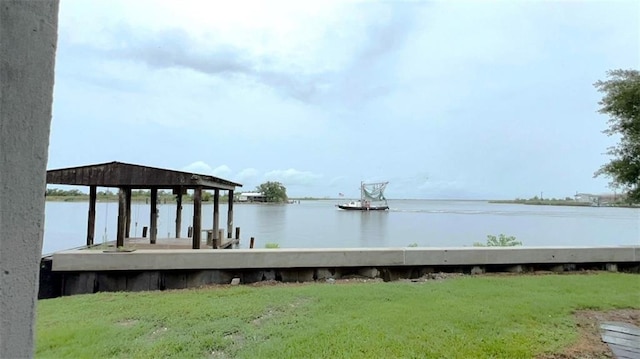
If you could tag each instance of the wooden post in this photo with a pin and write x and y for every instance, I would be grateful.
(237, 232)
(218, 240)
(210, 238)
(216, 212)
(215, 242)
(251, 243)
(230, 215)
(178, 212)
(197, 211)
(127, 231)
(153, 219)
(122, 217)
(91, 222)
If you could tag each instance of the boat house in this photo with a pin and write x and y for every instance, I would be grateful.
(251, 197)
(127, 177)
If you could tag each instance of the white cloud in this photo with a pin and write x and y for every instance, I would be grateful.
(292, 177)
(198, 167)
(201, 167)
(222, 171)
(247, 175)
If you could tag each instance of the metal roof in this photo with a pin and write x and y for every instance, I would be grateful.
(119, 174)
(252, 194)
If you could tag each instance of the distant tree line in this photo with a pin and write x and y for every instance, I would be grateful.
(136, 195)
(55, 192)
(275, 192)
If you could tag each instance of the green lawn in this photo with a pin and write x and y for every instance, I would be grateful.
(464, 317)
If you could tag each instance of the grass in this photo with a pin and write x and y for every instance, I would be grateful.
(465, 317)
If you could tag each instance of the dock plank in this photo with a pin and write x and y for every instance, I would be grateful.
(621, 328)
(622, 338)
(622, 353)
(629, 343)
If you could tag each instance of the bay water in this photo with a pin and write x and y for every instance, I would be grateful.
(320, 224)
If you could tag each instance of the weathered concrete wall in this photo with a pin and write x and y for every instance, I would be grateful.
(70, 283)
(90, 271)
(28, 38)
(178, 259)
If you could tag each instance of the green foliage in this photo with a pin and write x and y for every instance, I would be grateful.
(274, 192)
(621, 102)
(141, 195)
(506, 317)
(500, 241)
(63, 193)
(413, 245)
(535, 200)
(272, 245)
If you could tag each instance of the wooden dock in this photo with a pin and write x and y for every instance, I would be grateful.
(168, 243)
(623, 339)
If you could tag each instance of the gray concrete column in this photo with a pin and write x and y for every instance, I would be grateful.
(28, 39)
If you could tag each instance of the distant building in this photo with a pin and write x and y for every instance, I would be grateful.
(251, 197)
(597, 199)
(587, 198)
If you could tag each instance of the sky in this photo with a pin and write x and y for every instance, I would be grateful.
(443, 99)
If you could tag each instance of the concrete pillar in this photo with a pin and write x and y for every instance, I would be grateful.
(216, 213)
(153, 216)
(122, 218)
(230, 215)
(178, 194)
(28, 38)
(197, 217)
(91, 220)
(127, 195)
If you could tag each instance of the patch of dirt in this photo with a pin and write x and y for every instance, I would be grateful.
(353, 279)
(258, 321)
(590, 344)
(265, 283)
(159, 331)
(128, 322)
(433, 276)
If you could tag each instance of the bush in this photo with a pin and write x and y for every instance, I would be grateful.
(500, 241)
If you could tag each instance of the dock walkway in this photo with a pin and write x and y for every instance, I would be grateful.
(171, 243)
(623, 339)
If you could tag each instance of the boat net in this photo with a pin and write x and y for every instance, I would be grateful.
(374, 191)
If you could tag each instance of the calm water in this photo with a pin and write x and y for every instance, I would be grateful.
(320, 224)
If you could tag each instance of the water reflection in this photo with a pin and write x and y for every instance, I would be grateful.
(373, 228)
(272, 220)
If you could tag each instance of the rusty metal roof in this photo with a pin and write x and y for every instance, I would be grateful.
(119, 174)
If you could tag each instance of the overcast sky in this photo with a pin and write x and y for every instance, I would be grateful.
(479, 100)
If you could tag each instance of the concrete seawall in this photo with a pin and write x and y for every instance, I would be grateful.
(89, 271)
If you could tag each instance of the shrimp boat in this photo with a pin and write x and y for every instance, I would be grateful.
(371, 198)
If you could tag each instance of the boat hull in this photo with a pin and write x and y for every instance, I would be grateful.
(352, 208)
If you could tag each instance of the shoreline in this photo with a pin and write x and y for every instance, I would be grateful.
(224, 200)
(561, 203)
